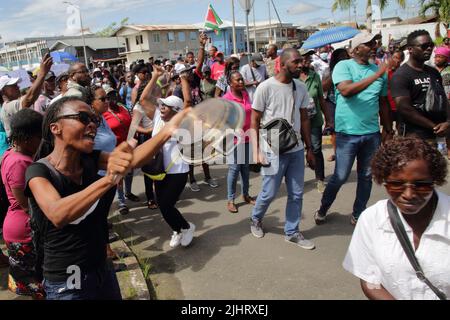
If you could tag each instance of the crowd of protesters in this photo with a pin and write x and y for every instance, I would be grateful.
(64, 142)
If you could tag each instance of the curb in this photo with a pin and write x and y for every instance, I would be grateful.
(131, 280)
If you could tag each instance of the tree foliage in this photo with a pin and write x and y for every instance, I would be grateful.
(112, 28)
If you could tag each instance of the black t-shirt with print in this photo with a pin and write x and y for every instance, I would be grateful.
(409, 82)
(83, 244)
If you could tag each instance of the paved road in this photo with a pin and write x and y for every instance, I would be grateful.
(226, 262)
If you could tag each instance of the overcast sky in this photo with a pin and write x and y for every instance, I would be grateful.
(28, 18)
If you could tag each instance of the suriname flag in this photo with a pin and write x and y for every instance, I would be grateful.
(212, 20)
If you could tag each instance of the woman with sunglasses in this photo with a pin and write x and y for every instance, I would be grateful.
(67, 198)
(241, 159)
(410, 169)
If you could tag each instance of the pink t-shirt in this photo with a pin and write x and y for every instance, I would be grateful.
(246, 104)
(16, 227)
(217, 70)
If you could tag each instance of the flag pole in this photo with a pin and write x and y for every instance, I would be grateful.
(234, 28)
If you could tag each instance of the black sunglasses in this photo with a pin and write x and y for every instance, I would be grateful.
(82, 116)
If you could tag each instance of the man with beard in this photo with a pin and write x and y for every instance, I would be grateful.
(361, 101)
(10, 93)
(78, 84)
(283, 96)
(412, 86)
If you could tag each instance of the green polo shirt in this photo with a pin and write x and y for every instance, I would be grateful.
(315, 90)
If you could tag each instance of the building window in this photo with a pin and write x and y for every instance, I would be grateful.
(193, 36)
(139, 40)
(170, 36)
(156, 37)
(127, 44)
(181, 37)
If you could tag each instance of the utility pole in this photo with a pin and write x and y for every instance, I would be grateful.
(234, 28)
(254, 26)
(270, 23)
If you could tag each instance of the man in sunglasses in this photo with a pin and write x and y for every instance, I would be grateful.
(418, 92)
(361, 104)
(78, 83)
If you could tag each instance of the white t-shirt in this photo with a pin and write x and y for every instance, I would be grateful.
(170, 149)
(7, 111)
(260, 75)
(146, 122)
(276, 100)
(320, 66)
(376, 256)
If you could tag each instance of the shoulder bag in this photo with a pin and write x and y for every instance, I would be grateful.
(280, 130)
(409, 251)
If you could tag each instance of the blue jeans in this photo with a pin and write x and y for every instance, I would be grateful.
(100, 284)
(291, 166)
(127, 181)
(349, 147)
(240, 165)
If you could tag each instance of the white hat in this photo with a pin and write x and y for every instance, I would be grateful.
(173, 102)
(363, 37)
(179, 68)
(97, 70)
(168, 63)
(8, 81)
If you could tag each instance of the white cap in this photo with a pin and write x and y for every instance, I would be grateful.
(173, 102)
(8, 81)
(97, 70)
(363, 37)
(168, 63)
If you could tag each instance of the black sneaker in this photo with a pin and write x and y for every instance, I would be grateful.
(319, 219)
(132, 197)
(124, 210)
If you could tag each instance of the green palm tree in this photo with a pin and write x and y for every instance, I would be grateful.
(440, 8)
(346, 4)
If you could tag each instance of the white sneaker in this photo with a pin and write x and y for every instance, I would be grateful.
(176, 239)
(187, 235)
(194, 187)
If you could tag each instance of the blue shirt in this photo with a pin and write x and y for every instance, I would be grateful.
(3, 140)
(358, 114)
(105, 140)
(128, 97)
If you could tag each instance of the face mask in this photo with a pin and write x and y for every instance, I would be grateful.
(324, 56)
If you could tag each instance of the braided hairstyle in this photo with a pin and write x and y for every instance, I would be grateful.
(53, 112)
(230, 75)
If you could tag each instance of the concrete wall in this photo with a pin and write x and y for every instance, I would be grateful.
(399, 31)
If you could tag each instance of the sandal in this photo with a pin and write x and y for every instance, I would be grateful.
(232, 207)
(152, 205)
(249, 200)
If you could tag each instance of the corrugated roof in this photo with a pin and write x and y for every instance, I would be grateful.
(97, 43)
(419, 20)
(168, 27)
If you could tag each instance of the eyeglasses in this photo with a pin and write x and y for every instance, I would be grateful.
(425, 46)
(82, 116)
(400, 186)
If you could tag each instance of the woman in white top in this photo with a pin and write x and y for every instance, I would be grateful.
(170, 188)
(409, 168)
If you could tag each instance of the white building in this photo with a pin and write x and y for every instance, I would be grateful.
(158, 41)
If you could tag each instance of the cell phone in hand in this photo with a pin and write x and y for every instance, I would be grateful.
(45, 51)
